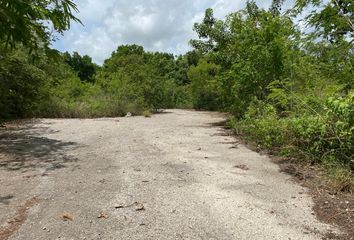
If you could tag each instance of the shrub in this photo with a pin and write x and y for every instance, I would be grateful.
(20, 84)
(327, 138)
(147, 113)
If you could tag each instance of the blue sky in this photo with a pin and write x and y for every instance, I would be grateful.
(158, 25)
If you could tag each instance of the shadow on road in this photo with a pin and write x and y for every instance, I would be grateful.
(24, 148)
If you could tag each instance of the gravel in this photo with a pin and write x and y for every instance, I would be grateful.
(176, 175)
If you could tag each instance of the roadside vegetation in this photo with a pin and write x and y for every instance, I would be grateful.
(286, 76)
(289, 88)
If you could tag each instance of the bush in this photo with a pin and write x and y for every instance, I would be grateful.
(20, 86)
(147, 113)
(327, 138)
(74, 98)
(259, 125)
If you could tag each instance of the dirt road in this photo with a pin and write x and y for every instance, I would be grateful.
(172, 176)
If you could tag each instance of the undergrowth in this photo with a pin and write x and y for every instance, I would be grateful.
(326, 139)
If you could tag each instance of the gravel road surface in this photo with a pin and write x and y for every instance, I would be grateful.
(176, 175)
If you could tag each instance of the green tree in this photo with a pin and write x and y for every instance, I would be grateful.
(254, 47)
(213, 34)
(204, 85)
(83, 65)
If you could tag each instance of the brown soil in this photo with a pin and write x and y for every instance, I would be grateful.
(331, 207)
(14, 224)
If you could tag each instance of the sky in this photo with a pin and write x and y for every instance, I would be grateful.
(157, 25)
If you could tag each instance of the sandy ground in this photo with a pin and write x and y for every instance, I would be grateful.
(175, 175)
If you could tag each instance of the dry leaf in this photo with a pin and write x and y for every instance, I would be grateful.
(67, 217)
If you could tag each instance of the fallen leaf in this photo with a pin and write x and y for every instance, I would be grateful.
(67, 217)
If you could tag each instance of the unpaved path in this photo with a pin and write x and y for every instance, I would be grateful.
(172, 176)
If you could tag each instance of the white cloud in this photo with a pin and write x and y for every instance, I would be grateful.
(158, 25)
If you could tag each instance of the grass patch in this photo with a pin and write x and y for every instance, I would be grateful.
(147, 113)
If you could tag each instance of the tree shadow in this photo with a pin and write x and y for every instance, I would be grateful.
(160, 112)
(217, 124)
(25, 149)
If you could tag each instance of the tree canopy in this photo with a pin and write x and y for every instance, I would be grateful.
(33, 23)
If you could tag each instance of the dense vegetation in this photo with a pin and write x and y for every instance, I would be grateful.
(287, 90)
(287, 87)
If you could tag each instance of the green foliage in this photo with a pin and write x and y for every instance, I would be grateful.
(326, 138)
(147, 113)
(333, 21)
(23, 21)
(83, 65)
(253, 47)
(84, 100)
(204, 85)
(259, 125)
(287, 90)
(151, 74)
(20, 85)
(212, 31)
(132, 80)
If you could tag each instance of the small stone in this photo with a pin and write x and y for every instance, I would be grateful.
(103, 215)
(139, 207)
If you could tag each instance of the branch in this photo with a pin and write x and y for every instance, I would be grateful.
(350, 23)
